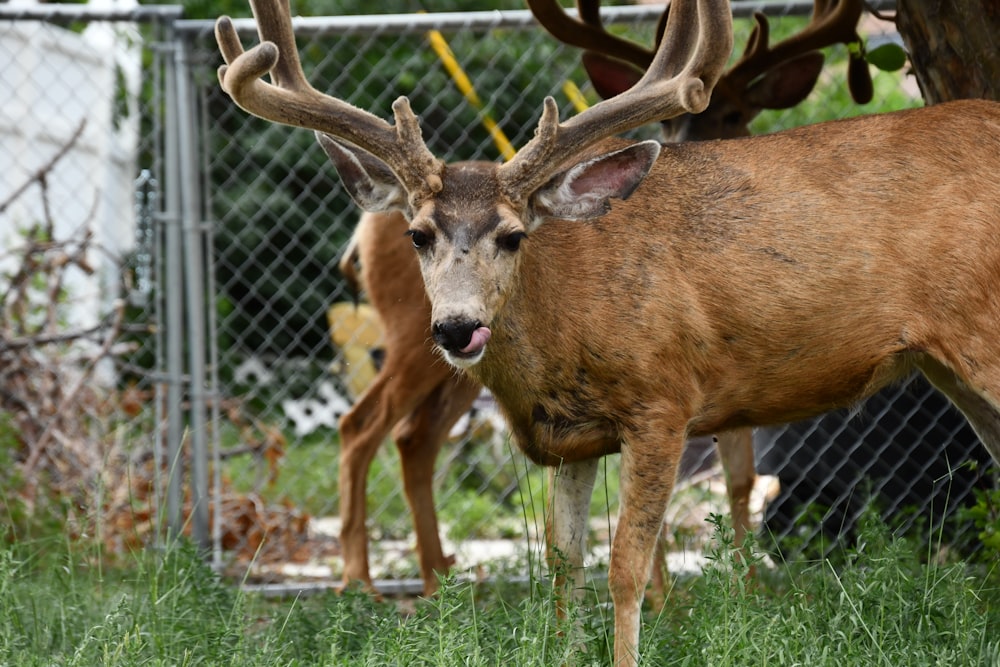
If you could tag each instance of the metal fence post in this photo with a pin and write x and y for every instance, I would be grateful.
(194, 291)
(173, 298)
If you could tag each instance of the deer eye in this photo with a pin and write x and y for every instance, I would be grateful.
(511, 242)
(420, 239)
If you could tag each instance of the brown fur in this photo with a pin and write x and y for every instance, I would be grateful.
(395, 281)
(621, 333)
(391, 277)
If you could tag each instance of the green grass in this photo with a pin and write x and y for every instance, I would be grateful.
(885, 606)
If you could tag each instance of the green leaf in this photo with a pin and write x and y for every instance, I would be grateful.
(888, 57)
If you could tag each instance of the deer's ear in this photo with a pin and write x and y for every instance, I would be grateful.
(584, 191)
(787, 84)
(609, 76)
(368, 180)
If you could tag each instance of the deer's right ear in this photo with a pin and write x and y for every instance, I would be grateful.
(368, 180)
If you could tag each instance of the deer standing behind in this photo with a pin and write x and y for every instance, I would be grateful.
(419, 397)
(740, 285)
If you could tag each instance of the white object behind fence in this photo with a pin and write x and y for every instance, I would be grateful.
(55, 80)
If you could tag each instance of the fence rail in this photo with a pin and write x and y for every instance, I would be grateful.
(232, 384)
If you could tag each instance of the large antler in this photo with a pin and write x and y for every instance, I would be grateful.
(832, 22)
(688, 62)
(290, 100)
(588, 33)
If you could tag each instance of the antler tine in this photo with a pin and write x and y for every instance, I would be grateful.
(658, 95)
(291, 100)
(832, 22)
(590, 13)
(587, 33)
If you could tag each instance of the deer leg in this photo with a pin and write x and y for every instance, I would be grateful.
(656, 593)
(736, 454)
(419, 438)
(363, 429)
(981, 406)
(571, 486)
(648, 471)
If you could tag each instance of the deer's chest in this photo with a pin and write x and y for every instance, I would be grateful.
(558, 414)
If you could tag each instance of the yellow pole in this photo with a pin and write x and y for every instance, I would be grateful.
(440, 46)
(575, 96)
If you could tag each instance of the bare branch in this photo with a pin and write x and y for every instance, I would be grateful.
(42, 172)
(112, 335)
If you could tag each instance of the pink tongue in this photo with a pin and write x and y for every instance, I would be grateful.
(478, 341)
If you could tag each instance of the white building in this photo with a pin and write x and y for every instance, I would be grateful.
(52, 80)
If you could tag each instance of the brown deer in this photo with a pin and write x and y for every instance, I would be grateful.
(422, 397)
(741, 285)
(415, 394)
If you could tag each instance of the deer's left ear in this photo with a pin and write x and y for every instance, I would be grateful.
(584, 191)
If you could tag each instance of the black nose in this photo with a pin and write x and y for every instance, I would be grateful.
(455, 334)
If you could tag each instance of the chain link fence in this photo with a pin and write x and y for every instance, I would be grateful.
(82, 227)
(227, 360)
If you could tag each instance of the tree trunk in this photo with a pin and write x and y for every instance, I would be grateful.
(954, 47)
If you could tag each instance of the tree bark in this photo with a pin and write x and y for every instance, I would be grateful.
(954, 47)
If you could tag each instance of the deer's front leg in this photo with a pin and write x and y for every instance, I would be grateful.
(737, 457)
(648, 470)
(570, 488)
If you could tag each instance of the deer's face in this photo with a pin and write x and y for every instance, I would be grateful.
(724, 120)
(468, 239)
